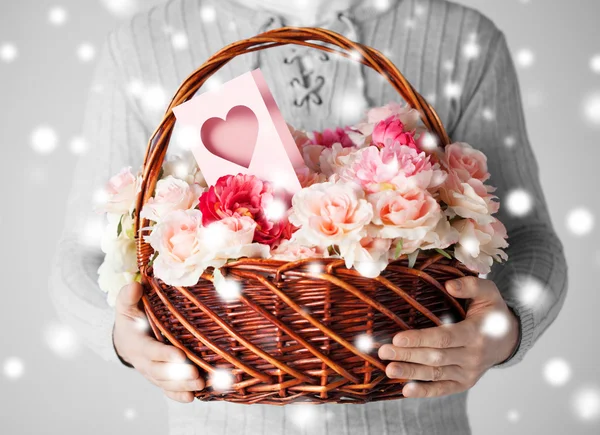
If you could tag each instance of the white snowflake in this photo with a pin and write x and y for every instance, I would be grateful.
(513, 416)
(91, 234)
(420, 10)
(178, 371)
(86, 52)
(471, 49)
(8, 52)
(142, 324)
(557, 372)
(364, 343)
(208, 13)
(519, 202)
(586, 404)
(382, 5)
(213, 83)
(221, 380)
(510, 141)
(529, 291)
(448, 65)
(592, 109)
(316, 268)
(488, 114)
(14, 368)
(130, 414)
(58, 16)
(122, 8)
(61, 340)
(276, 210)
(179, 40)
(44, 140)
(495, 325)
(304, 415)
(229, 289)
(525, 58)
(78, 145)
(595, 63)
(154, 99)
(453, 91)
(580, 221)
(430, 141)
(185, 138)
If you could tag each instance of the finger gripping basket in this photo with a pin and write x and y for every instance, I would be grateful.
(307, 330)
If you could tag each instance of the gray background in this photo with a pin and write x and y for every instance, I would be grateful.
(64, 388)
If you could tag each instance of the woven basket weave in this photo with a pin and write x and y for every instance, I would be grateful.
(292, 335)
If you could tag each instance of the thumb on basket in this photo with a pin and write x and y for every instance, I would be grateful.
(128, 300)
(482, 291)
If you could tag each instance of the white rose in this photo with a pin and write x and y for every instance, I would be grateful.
(111, 281)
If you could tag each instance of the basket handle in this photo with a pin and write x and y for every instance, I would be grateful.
(305, 36)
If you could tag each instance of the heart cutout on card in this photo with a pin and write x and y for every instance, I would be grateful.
(233, 138)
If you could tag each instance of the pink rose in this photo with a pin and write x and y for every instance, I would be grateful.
(480, 245)
(246, 195)
(470, 199)
(329, 137)
(440, 237)
(410, 215)
(291, 250)
(181, 256)
(312, 155)
(368, 255)
(299, 136)
(328, 213)
(308, 177)
(466, 162)
(231, 237)
(171, 194)
(391, 131)
(122, 190)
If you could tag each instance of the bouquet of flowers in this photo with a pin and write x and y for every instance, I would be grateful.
(372, 192)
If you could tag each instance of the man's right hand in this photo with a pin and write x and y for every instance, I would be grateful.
(165, 366)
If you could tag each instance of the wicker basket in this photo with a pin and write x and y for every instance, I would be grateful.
(292, 334)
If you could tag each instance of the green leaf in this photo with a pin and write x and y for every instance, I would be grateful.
(138, 277)
(412, 258)
(151, 262)
(120, 227)
(444, 253)
(399, 245)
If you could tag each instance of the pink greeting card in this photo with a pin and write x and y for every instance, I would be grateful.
(241, 130)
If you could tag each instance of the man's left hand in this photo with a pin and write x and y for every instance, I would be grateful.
(455, 356)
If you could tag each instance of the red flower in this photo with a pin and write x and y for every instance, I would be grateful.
(390, 131)
(329, 137)
(246, 195)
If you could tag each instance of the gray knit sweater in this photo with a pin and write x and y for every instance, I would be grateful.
(454, 56)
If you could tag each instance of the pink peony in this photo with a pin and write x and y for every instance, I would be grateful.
(409, 116)
(334, 160)
(391, 131)
(479, 245)
(410, 215)
(246, 195)
(171, 194)
(394, 167)
(470, 199)
(122, 190)
(466, 162)
(328, 213)
(329, 137)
